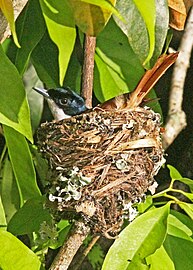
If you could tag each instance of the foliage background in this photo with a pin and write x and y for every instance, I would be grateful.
(48, 49)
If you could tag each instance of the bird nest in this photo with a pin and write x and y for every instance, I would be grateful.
(101, 162)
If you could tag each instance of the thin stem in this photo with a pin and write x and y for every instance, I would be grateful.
(88, 69)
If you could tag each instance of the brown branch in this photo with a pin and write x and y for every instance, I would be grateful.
(88, 69)
(176, 120)
(76, 265)
(70, 247)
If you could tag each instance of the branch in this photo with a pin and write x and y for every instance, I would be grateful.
(88, 69)
(70, 247)
(176, 120)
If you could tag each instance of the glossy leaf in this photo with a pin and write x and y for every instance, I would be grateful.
(138, 240)
(160, 260)
(7, 8)
(61, 28)
(146, 27)
(14, 109)
(29, 218)
(22, 163)
(188, 208)
(174, 222)
(3, 222)
(148, 13)
(116, 60)
(175, 175)
(91, 16)
(44, 58)
(183, 218)
(14, 255)
(9, 190)
(180, 251)
(30, 28)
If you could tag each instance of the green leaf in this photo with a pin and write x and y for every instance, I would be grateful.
(14, 255)
(161, 28)
(174, 174)
(9, 190)
(138, 240)
(14, 110)
(61, 27)
(184, 219)
(141, 19)
(3, 222)
(92, 15)
(143, 206)
(188, 208)
(175, 226)
(29, 218)
(30, 28)
(22, 163)
(160, 260)
(180, 251)
(44, 58)
(148, 13)
(116, 61)
(6, 7)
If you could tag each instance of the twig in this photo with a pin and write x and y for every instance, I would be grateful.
(70, 247)
(176, 120)
(88, 69)
(78, 263)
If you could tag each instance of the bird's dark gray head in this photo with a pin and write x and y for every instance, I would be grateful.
(66, 99)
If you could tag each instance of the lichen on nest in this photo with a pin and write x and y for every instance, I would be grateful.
(101, 162)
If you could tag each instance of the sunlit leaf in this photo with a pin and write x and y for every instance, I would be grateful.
(116, 60)
(61, 27)
(7, 8)
(160, 260)
(22, 163)
(14, 109)
(175, 222)
(140, 26)
(3, 222)
(188, 208)
(14, 255)
(91, 16)
(138, 240)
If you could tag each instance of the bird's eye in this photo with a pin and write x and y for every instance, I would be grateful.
(63, 101)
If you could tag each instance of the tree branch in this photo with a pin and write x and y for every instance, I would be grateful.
(88, 69)
(176, 120)
(70, 247)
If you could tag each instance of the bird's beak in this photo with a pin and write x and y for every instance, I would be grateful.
(42, 91)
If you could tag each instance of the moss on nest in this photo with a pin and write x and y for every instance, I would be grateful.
(101, 162)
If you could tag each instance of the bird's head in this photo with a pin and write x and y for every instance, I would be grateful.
(66, 99)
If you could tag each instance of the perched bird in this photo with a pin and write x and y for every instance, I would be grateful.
(73, 104)
(66, 99)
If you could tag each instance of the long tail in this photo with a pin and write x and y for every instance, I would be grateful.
(149, 79)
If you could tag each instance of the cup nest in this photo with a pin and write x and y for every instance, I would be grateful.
(100, 163)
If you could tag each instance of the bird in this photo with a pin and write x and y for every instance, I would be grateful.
(72, 104)
(65, 98)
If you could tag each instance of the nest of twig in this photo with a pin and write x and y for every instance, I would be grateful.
(101, 162)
